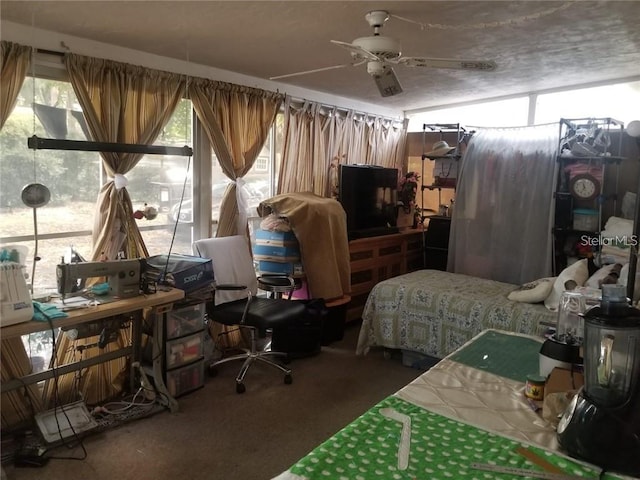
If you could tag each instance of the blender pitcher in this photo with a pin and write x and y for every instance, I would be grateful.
(602, 423)
(612, 350)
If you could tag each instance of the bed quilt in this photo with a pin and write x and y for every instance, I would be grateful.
(434, 312)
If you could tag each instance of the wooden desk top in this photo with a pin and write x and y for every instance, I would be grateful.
(96, 312)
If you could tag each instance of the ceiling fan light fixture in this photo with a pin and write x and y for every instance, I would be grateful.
(386, 48)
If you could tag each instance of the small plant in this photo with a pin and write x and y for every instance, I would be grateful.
(407, 190)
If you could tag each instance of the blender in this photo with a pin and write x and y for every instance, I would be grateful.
(602, 423)
(562, 349)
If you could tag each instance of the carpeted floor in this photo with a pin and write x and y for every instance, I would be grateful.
(218, 434)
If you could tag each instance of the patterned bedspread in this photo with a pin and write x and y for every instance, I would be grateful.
(434, 312)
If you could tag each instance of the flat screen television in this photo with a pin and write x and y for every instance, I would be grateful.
(368, 195)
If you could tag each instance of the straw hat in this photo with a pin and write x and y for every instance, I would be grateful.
(439, 149)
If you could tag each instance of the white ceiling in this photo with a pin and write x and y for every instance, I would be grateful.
(537, 45)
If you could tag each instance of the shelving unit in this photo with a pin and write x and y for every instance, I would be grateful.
(445, 176)
(588, 153)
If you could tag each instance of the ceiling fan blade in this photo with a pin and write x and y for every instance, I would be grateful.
(387, 82)
(483, 65)
(315, 70)
(356, 51)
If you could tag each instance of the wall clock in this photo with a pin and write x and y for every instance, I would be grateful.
(584, 186)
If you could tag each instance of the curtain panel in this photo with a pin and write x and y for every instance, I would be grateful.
(237, 120)
(13, 69)
(122, 104)
(501, 226)
(317, 139)
(18, 405)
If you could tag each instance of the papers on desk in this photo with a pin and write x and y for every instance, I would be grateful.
(73, 303)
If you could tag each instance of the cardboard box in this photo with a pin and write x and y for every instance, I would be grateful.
(280, 239)
(186, 272)
(282, 268)
(277, 253)
(563, 380)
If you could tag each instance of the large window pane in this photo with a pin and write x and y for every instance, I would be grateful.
(620, 101)
(501, 113)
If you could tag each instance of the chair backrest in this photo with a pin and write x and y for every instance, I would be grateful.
(232, 264)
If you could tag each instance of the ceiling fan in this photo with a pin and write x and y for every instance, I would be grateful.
(380, 53)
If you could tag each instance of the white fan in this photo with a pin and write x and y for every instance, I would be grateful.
(380, 53)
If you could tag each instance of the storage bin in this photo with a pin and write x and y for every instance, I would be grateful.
(585, 219)
(185, 320)
(304, 337)
(186, 379)
(276, 253)
(283, 268)
(183, 350)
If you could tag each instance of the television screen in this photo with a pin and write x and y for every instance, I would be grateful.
(368, 195)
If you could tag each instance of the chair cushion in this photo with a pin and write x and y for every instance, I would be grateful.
(264, 313)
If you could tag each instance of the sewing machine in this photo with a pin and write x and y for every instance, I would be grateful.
(123, 276)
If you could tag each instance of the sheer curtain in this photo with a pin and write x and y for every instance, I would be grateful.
(501, 226)
(237, 120)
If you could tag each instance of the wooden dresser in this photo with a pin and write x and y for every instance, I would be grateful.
(375, 259)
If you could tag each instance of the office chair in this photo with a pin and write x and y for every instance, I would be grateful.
(235, 302)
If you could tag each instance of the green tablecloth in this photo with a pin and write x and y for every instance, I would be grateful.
(441, 448)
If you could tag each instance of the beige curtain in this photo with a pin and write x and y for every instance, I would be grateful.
(386, 142)
(15, 63)
(18, 405)
(318, 139)
(304, 151)
(122, 104)
(237, 121)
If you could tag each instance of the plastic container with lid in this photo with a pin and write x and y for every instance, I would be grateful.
(585, 219)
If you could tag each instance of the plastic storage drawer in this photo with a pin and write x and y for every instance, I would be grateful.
(184, 350)
(185, 379)
(185, 320)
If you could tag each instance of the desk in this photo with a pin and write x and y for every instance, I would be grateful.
(469, 408)
(160, 302)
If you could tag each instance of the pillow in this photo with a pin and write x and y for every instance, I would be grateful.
(533, 292)
(571, 277)
(607, 274)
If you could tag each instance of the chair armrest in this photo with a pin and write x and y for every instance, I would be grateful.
(277, 280)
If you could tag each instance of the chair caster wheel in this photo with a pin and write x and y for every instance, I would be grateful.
(212, 371)
(240, 388)
(288, 379)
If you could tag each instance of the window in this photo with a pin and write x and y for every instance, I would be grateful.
(619, 101)
(501, 113)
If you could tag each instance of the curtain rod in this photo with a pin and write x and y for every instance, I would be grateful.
(37, 143)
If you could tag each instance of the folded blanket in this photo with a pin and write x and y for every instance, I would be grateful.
(320, 225)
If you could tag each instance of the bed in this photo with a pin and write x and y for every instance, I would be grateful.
(466, 413)
(431, 312)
